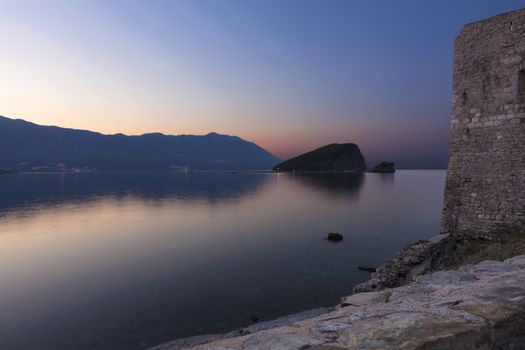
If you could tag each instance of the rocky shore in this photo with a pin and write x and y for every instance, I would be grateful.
(478, 306)
(441, 252)
(419, 258)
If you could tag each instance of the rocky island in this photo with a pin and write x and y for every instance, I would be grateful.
(384, 167)
(333, 157)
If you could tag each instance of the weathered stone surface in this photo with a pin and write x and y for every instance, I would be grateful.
(414, 330)
(493, 266)
(325, 347)
(447, 277)
(361, 299)
(484, 194)
(330, 327)
(419, 258)
(477, 307)
(279, 341)
(495, 315)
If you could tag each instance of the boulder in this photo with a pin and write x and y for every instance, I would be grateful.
(334, 237)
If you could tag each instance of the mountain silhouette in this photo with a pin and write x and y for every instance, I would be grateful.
(27, 146)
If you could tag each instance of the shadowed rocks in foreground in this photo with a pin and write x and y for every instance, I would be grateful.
(333, 157)
(440, 252)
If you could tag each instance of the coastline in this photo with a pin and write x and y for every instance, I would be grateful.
(410, 285)
(473, 307)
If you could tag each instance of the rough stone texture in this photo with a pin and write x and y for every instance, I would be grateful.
(485, 192)
(476, 307)
(421, 257)
(361, 299)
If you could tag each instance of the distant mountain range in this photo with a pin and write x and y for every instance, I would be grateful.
(26, 146)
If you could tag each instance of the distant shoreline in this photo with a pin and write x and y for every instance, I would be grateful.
(232, 172)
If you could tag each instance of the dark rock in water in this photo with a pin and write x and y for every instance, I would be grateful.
(366, 268)
(334, 157)
(334, 237)
(4, 171)
(254, 319)
(384, 167)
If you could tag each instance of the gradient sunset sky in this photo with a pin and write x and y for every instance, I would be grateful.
(289, 75)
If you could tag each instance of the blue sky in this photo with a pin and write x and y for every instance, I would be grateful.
(289, 75)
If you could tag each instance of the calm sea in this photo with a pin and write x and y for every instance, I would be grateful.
(129, 260)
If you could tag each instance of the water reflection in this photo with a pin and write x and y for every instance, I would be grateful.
(129, 260)
(386, 179)
(36, 191)
(345, 184)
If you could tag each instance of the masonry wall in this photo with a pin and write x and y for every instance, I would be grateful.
(485, 187)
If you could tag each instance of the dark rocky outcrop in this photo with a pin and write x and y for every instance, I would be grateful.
(443, 251)
(334, 237)
(384, 167)
(333, 157)
(419, 258)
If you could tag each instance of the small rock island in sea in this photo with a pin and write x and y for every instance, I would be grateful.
(333, 157)
(384, 167)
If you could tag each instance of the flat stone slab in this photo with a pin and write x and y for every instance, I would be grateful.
(361, 299)
(478, 307)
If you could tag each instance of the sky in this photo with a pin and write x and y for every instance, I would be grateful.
(289, 75)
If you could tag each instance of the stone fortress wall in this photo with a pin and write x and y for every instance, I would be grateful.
(485, 187)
